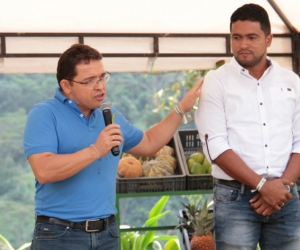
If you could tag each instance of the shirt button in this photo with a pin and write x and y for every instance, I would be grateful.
(70, 101)
(258, 83)
(264, 124)
(261, 103)
(267, 167)
(266, 145)
(81, 115)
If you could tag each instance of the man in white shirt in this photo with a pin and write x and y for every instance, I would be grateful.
(249, 123)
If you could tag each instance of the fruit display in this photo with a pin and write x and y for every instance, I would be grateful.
(156, 168)
(197, 163)
(169, 159)
(165, 150)
(198, 221)
(140, 158)
(163, 163)
(130, 167)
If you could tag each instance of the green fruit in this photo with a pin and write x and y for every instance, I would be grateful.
(190, 162)
(198, 157)
(207, 166)
(197, 169)
(210, 170)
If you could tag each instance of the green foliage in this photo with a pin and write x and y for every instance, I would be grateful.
(19, 90)
(167, 98)
(133, 94)
(11, 127)
(5, 245)
(147, 240)
(198, 218)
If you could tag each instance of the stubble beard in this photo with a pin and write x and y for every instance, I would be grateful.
(249, 63)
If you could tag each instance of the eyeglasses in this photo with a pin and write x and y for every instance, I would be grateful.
(91, 83)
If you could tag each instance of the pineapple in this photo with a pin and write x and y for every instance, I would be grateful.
(200, 222)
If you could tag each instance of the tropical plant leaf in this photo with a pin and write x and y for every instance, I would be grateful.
(166, 237)
(6, 242)
(148, 239)
(153, 221)
(25, 246)
(158, 207)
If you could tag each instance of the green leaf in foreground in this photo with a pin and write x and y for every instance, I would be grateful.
(113, 118)
(8, 246)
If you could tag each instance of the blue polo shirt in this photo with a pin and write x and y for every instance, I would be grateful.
(58, 126)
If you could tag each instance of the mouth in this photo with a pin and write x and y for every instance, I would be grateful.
(244, 53)
(99, 97)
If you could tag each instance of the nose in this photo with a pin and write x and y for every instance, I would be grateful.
(99, 84)
(244, 43)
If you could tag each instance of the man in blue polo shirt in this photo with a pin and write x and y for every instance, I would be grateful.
(69, 149)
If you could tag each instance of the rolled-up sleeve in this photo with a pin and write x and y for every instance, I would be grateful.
(210, 118)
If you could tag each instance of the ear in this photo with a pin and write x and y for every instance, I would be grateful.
(269, 40)
(66, 86)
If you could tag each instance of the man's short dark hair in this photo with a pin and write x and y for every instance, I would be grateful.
(76, 54)
(254, 13)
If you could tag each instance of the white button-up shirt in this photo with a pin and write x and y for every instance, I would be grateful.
(258, 119)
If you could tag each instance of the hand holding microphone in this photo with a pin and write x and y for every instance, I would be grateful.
(107, 115)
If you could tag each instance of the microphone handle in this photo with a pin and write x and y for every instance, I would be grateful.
(108, 120)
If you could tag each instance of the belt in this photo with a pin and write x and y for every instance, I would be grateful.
(233, 184)
(89, 225)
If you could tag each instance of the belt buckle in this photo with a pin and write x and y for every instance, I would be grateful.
(87, 227)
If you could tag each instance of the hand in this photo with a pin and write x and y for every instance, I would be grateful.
(275, 194)
(260, 206)
(109, 137)
(188, 101)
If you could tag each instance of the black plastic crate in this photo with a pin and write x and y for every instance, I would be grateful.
(175, 182)
(189, 143)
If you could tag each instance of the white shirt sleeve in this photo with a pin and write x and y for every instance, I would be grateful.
(296, 122)
(210, 118)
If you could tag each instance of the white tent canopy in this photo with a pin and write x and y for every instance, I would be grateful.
(136, 35)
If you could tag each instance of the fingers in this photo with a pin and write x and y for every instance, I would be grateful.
(112, 132)
(275, 193)
(268, 211)
(264, 209)
(196, 89)
(189, 100)
(287, 182)
(198, 84)
(109, 137)
(116, 138)
(260, 206)
(112, 126)
(255, 198)
(287, 185)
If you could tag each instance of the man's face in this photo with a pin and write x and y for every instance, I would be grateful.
(249, 43)
(87, 97)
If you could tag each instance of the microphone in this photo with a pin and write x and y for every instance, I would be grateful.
(106, 109)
